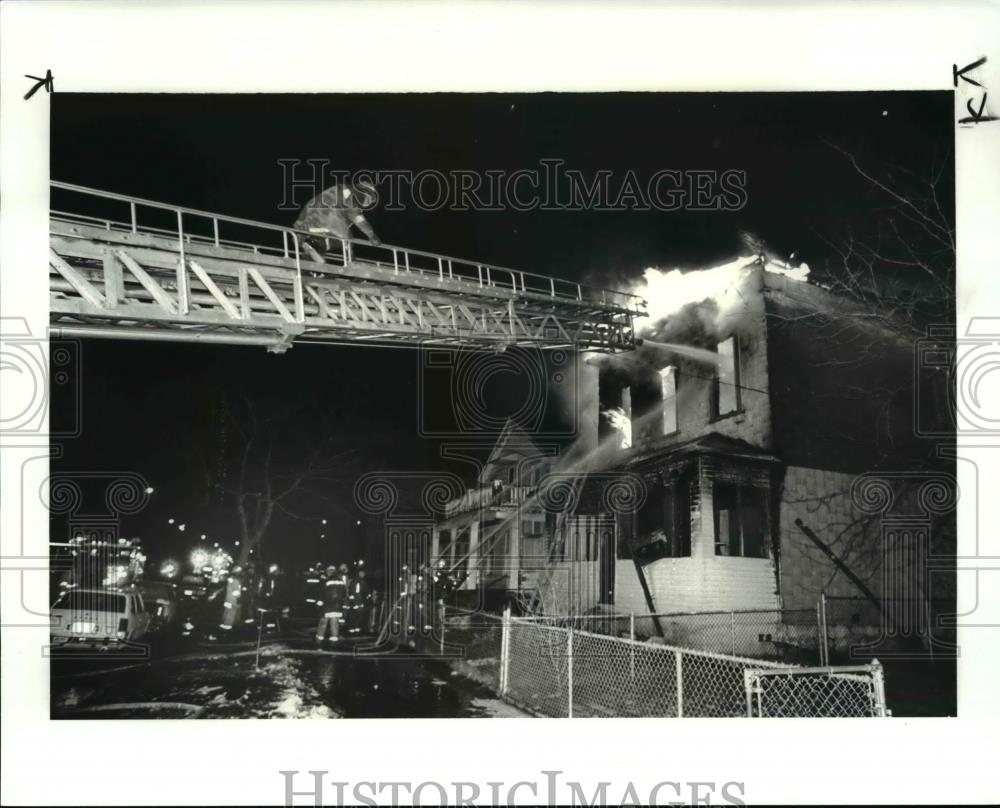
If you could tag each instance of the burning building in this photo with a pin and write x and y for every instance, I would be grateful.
(767, 426)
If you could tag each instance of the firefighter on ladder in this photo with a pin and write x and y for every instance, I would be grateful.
(331, 607)
(331, 214)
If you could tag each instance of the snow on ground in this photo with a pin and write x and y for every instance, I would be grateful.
(297, 699)
(495, 708)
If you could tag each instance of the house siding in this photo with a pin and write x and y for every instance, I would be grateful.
(822, 500)
(697, 584)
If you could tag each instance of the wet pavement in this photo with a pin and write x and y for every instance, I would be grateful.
(292, 679)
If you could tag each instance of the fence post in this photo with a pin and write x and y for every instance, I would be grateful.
(824, 646)
(504, 651)
(748, 687)
(679, 676)
(569, 671)
(732, 629)
(878, 681)
(631, 653)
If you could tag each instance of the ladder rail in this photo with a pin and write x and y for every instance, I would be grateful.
(467, 270)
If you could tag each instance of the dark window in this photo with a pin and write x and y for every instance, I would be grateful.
(462, 546)
(677, 515)
(663, 524)
(727, 378)
(499, 553)
(740, 520)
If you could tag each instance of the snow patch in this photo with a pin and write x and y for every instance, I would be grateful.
(494, 708)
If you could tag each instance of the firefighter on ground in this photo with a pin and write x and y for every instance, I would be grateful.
(357, 600)
(313, 589)
(334, 602)
(331, 214)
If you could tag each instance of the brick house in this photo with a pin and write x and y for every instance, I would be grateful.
(735, 422)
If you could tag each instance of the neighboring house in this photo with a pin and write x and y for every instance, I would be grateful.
(483, 535)
(737, 420)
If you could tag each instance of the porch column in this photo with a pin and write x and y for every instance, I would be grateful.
(473, 564)
(702, 515)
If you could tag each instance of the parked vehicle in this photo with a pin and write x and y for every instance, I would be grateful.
(160, 598)
(98, 617)
(192, 587)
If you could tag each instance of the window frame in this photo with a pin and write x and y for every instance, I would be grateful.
(762, 501)
(675, 374)
(717, 414)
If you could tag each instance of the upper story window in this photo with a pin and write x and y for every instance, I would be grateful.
(668, 392)
(617, 420)
(727, 378)
(624, 421)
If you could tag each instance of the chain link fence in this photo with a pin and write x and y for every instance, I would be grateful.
(562, 671)
(847, 691)
(858, 624)
(788, 635)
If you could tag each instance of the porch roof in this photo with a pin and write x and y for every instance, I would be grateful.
(713, 443)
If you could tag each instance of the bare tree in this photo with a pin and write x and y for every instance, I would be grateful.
(283, 470)
(288, 483)
(899, 259)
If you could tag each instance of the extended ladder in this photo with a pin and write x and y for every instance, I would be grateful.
(182, 281)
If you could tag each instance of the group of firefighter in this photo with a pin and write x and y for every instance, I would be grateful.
(346, 605)
(342, 598)
(421, 591)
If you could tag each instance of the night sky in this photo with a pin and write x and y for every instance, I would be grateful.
(155, 408)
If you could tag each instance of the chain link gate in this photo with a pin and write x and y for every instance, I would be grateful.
(849, 691)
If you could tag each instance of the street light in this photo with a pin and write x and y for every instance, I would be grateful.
(169, 569)
(149, 489)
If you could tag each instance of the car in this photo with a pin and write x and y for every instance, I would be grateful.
(98, 617)
(160, 598)
(192, 587)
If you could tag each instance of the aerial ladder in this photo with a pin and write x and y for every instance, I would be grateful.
(123, 267)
